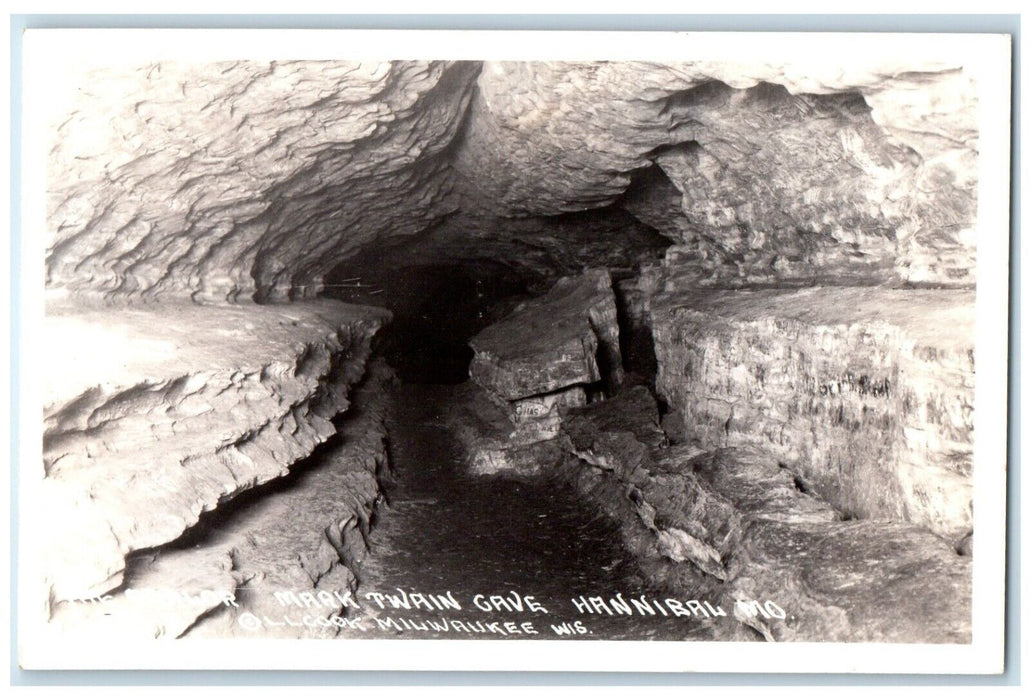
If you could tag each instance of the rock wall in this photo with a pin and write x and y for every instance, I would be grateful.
(868, 392)
(245, 569)
(176, 182)
(822, 457)
(155, 415)
(764, 173)
(245, 178)
(736, 526)
(733, 525)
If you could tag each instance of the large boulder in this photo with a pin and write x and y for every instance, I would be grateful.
(565, 338)
(551, 353)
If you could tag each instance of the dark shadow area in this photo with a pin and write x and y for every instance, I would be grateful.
(636, 345)
(452, 280)
(437, 309)
(447, 531)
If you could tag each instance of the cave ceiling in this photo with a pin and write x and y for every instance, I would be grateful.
(275, 180)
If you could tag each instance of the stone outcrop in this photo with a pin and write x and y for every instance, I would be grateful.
(736, 526)
(301, 538)
(550, 353)
(245, 178)
(764, 172)
(494, 441)
(868, 393)
(157, 414)
(568, 337)
(310, 537)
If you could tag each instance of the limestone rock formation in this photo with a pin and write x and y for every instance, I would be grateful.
(265, 556)
(514, 439)
(616, 434)
(566, 338)
(171, 410)
(222, 180)
(257, 178)
(735, 525)
(793, 249)
(766, 172)
(869, 393)
(544, 357)
(309, 538)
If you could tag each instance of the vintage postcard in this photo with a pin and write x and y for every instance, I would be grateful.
(408, 350)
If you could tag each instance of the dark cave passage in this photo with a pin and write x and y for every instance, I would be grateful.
(445, 532)
(436, 308)
(442, 291)
(444, 529)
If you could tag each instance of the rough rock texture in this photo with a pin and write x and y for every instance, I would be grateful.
(616, 434)
(569, 336)
(166, 597)
(259, 178)
(303, 534)
(535, 250)
(550, 353)
(156, 414)
(227, 179)
(782, 172)
(734, 525)
(499, 438)
(269, 181)
(310, 537)
(868, 393)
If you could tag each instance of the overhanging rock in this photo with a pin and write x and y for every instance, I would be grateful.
(172, 410)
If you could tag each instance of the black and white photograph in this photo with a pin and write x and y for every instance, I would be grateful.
(514, 350)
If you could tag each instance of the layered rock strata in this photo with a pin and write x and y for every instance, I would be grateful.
(820, 484)
(226, 180)
(256, 178)
(734, 525)
(868, 393)
(568, 337)
(548, 354)
(766, 173)
(157, 414)
(494, 443)
(253, 564)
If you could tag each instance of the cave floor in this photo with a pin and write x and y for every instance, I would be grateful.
(477, 537)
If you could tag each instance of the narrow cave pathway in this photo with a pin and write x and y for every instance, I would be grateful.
(476, 537)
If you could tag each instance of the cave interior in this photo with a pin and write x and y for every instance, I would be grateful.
(724, 314)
